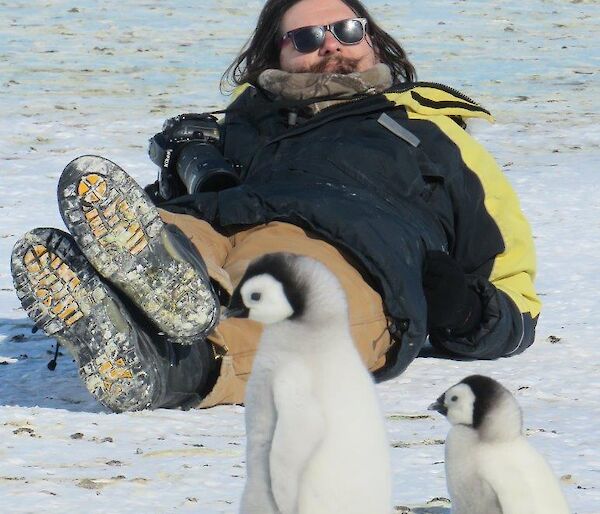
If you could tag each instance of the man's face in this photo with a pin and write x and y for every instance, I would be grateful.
(333, 56)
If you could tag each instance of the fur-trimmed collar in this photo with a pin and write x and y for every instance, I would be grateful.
(306, 86)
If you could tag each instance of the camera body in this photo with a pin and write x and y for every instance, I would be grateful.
(187, 153)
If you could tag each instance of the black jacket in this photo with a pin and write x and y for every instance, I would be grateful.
(384, 199)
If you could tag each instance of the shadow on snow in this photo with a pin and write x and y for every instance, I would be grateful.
(25, 377)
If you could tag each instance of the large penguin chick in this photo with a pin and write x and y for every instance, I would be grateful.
(316, 438)
(490, 466)
(281, 286)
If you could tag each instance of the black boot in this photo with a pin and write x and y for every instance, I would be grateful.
(191, 372)
(124, 366)
(120, 232)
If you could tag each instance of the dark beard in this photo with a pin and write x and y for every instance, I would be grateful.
(335, 64)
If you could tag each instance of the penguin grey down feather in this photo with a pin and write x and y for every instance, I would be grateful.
(316, 437)
(490, 466)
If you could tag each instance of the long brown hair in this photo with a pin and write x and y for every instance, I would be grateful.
(261, 51)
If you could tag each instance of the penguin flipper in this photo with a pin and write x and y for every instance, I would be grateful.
(297, 414)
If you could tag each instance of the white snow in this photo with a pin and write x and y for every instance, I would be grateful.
(100, 77)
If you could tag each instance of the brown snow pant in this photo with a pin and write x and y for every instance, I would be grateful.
(236, 340)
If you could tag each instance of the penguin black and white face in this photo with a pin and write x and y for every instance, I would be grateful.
(457, 404)
(270, 291)
(265, 299)
(482, 403)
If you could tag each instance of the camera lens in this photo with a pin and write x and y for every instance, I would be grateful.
(202, 168)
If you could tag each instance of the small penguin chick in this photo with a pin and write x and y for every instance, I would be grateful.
(490, 466)
(484, 404)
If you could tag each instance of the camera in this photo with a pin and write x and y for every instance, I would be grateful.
(187, 153)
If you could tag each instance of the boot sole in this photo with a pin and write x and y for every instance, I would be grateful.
(121, 233)
(64, 296)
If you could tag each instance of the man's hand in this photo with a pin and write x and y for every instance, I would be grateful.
(451, 303)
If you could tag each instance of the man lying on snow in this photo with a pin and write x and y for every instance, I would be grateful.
(331, 150)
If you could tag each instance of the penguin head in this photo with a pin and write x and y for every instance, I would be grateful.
(282, 286)
(457, 404)
(483, 404)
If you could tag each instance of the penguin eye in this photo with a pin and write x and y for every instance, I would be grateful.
(255, 296)
(454, 398)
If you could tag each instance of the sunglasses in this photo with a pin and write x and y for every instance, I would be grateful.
(308, 39)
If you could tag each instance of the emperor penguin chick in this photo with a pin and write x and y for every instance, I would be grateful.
(490, 466)
(316, 437)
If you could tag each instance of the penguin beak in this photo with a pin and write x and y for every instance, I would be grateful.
(241, 312)
(439, 406)
(236, 308)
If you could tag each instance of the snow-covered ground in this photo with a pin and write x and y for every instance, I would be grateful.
(82, 76)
